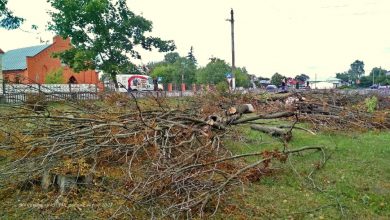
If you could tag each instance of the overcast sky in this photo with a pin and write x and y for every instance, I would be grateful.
(316, 37)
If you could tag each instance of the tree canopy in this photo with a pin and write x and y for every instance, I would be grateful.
(277, 79)
(213, 73)
(172, 69)
(55, 77)
(171, 57)
(344, 76)
(378, 72)
(242, 77)
(357, 69)
(302, 77)
(191, 56)
(7, 19)
(104, 35)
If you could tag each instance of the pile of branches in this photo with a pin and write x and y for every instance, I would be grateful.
(344, 111)
(157, 159)
(333, 110)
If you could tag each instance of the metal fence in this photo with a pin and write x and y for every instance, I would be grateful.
(17, 93)
(58, 96)
(8, 88)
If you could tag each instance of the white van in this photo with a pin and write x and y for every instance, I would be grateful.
(131, 82)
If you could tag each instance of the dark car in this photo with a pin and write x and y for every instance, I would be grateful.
(271, 88)
(374, 87)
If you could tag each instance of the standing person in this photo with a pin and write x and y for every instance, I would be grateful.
(307, 85)
(155, 84)
(283, 85)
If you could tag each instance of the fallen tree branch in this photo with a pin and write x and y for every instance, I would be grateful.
(269, 116)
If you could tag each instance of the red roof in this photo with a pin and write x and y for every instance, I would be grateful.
(292, 81)
(1, 51)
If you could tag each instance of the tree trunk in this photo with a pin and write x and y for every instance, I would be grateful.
(113, 77)
(274, 131)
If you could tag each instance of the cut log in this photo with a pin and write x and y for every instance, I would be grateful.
(246, 108)
(270, 116)
(66, 182)
(274, 131)
(241, 109)
(285, 135)
(47, 180)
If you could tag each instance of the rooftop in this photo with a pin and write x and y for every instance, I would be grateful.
(16, 59)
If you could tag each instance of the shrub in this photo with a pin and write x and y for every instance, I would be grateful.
(55, 77)
(222, 87)
(371, 104)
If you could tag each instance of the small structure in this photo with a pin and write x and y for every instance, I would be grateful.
(33, 64)
(328, 83)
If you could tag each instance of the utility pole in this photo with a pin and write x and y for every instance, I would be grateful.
(231, 20)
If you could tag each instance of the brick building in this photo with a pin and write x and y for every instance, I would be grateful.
(32, 64)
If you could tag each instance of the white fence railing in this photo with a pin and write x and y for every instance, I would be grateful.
(47, 88)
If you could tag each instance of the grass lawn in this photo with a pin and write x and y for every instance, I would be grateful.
(354, 184)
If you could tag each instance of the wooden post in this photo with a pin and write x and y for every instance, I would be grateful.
(231, 20)
(4, 90)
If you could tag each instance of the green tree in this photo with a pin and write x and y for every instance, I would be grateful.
(365, 81)
(214, 72)
(191, 56)
(379, 76)
(242, 77)
(168, 73)
(377, 71)
(7, 19)
(277, 79)
(357, 70)
(104, 35)
(171, 57)
(55, 77)
(188, 69)
(302, 77)
(172, 72)
(345, 76)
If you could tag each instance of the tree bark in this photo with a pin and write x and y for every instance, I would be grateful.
(274, 131)
(270, 116)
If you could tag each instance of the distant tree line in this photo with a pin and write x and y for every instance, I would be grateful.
(177, 69)
(355, 75)
(277, 78)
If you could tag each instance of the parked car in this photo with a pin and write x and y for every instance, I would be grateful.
(374, 87)
(271, 88)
